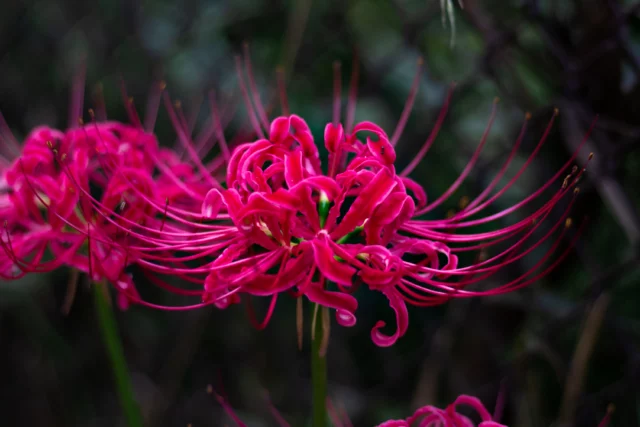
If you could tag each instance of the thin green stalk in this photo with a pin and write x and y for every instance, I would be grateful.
(116, 356)
(318, 372)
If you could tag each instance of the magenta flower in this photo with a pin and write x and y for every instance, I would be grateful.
(267, 216)
(427, 416)
(47, 206)
(282, 221)
(430, 416)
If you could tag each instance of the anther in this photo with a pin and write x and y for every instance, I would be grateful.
(556, 111)
(568, 222)
(527, 116)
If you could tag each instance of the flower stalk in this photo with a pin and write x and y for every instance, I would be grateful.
(318, 369)
(113, 345)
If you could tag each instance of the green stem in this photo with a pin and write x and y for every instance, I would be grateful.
(318, 372)
(116, 355)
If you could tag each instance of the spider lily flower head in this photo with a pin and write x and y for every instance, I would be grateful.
(266, 216)
(57, 189)
(284, 221)
(85, 195)
(430, 416)
(48, 189)
(426, 416)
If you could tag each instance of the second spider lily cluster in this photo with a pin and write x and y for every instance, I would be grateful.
(426, 416)
(266, 216)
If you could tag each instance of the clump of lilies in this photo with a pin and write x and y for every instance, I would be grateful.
(426, 416)
(265, 214)
(462, 412)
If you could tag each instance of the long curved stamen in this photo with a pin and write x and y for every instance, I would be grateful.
(247, 101)
(432, 136)
(255, 94)
(474, 158)
(408, 106)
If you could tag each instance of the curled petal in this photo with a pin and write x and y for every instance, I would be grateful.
(371, 127)
(418, 192)
(394, 423)
(391, 208)
(279, 129)
(211, 204)
(369, 198)
(344, 304)
(319, 183)
(333, 136)
(293, 170)
(303, 135)
(473, 402)
(331, 268)
(382, 150)
(402, 320)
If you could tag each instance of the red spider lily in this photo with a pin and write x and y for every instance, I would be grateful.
(430, 416)
(277, 221)
(426, 416)
(44, 209)
(282, 222)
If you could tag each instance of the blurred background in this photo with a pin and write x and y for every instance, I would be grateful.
(557, 353)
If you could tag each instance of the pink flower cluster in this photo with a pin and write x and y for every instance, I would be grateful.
(264, 217)
(55, 194)
(430, 416)
(427, 416)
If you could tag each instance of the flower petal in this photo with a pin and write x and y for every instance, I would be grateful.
(331, 268)
(212, 204)
(374, 193)
(402, 319)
